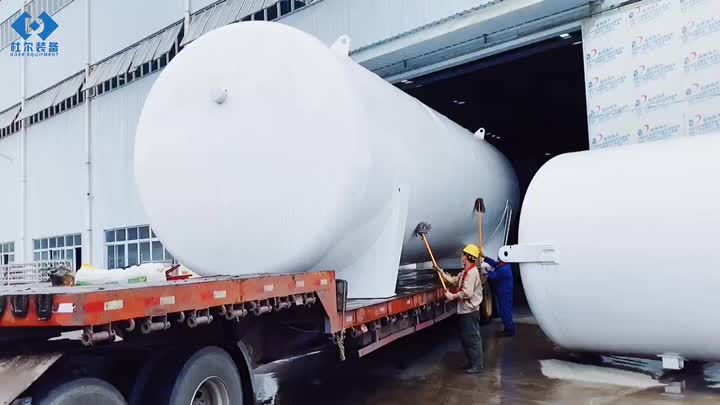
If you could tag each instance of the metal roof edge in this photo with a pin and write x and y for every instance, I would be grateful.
(428, 25)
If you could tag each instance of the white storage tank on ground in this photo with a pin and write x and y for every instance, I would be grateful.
(635, 232)
(260, 149)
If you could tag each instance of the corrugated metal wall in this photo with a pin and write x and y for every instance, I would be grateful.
(44, 72)
(114, 121)
(8, 8)
(10, 183)
(9, 80)
(393, 38)
(56, 171)
(196, 5)
(55, 190)
(114, 24)
(370, 21)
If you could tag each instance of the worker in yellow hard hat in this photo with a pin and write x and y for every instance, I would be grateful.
(469, 295)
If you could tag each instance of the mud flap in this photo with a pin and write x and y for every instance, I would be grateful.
(374, 273)
(18, 372)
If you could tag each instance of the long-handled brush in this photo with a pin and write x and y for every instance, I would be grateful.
(422, 229)
(487, 301)
(480, 208)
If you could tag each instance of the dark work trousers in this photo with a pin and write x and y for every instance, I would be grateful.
(470, 337)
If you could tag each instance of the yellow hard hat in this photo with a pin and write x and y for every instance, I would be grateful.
(472, 250)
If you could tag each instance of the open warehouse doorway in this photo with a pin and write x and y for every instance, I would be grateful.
(531, 102)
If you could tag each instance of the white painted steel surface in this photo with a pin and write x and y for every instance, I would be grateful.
(636, 231)
(311, 162)
(18, 372)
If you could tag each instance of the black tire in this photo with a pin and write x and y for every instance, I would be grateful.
(207, 365)
(83, 391)
(146, 377)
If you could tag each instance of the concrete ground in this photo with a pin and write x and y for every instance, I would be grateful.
(527, 369)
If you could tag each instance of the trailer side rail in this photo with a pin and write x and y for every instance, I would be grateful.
(101, 310)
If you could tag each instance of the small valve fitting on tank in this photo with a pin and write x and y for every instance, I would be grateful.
(218, 95)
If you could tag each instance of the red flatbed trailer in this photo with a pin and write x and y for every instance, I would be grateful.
(184, 319)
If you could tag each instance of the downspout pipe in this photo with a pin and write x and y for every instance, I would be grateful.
(87, 237)
(24, 247)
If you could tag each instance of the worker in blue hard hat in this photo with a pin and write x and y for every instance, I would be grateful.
(468, 293)
(501, 278)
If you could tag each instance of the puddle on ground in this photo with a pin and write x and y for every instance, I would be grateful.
(266, 386)
(526, 369)
(565, 370)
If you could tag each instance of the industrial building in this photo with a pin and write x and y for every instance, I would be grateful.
(293, 169)
(543, 77)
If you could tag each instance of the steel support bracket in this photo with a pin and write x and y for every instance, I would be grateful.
(672, 361)
(530, 253)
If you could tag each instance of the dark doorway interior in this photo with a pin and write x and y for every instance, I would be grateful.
(531, 102)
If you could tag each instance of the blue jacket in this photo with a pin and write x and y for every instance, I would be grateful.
(502, 277)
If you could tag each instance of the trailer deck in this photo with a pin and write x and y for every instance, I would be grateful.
(195, 301)
(129, 322)
(79, 306)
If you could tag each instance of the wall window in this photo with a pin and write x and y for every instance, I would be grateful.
(7, 253)
(65, 247)
(11, 129)
(71, 102)
(135, 245)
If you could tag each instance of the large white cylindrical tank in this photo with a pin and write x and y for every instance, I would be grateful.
(261, 150)
(635, 231)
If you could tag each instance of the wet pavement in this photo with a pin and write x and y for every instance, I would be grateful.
(527, 369)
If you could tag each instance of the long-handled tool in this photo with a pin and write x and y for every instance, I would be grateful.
(422, 230)
(487, 303)
(480, 208)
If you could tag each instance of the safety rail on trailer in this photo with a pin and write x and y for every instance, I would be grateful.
(104, 311)
(28, 273)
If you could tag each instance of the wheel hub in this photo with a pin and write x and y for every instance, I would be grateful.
(211, 391)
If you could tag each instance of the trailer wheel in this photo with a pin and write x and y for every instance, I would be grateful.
(83, 391)
(155, 365)
(208, 377)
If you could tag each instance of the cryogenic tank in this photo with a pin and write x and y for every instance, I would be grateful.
(262, 150)
(618, 249)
